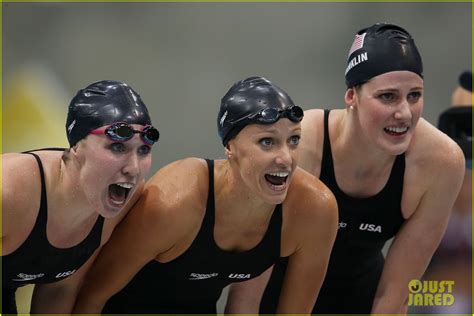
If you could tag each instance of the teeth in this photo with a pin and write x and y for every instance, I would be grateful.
(397, 129)
(116, 202)
(125, 185)
(279, 174)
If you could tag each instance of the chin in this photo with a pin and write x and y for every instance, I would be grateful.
(275, 199)
(109, 211)
(396, 150)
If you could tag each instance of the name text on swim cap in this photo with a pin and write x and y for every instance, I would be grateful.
(356, 60)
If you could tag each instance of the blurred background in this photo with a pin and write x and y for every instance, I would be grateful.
(182, 58)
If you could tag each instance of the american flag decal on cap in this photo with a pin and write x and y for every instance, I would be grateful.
(358, 43)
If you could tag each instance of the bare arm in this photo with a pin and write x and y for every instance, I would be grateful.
(59, 297)
(307, 265)
(418, 238)
(245, 297)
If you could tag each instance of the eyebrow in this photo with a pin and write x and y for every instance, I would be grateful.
(274, 130)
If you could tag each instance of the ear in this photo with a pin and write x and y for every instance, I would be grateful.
(350, 98)
(73, 149)
(228, 151)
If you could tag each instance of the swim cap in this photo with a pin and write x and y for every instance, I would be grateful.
(378, 49)
(465, 80)
(254, 100)
(103, 103)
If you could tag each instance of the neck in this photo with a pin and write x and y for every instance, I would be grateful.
(235, 197)
(349, 141)
(69, 198)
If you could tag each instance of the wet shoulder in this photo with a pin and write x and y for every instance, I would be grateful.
(309, 213)
(308, 197)
(177, 191)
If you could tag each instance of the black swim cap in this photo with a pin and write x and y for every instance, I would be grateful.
(246, 98)
(379, 49)
(465, 80)
(103, 103)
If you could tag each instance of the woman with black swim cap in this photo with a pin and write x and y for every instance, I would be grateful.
(203, 224)
(393, 175)
(61, 205)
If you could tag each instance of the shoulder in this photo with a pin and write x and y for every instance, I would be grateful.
(310, 214)
(179, 181)
(435, 152)
(176, 195)
(310, 199)
(21, 196)
(312, 116)
(311, 142)
(312, 123)
(20, 181)
(434, 171)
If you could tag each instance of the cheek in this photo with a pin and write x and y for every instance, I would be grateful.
(417, 110)
(146, 165)
(372, 116)
(295, 156)
(104, 166)
(247, 164)
(382, 113)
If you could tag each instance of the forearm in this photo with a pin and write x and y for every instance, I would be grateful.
(245, 297)
(89, 302)
(53, 299)
(389, 303)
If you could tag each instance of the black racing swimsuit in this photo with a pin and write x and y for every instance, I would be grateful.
(37, 261)
(192, 283)
(356, 260)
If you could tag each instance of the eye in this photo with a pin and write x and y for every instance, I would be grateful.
(387, 97)
(144, 150)
(266, 142)
(117, 147)
(414, 96)
(294, 140)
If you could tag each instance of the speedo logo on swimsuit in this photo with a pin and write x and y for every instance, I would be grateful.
(201, 276)
(239, 276)
(342, 225)
(28, 277)
(370, 227)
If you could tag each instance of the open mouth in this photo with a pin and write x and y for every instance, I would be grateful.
(118, 192)
(396, 131)
(277, 180)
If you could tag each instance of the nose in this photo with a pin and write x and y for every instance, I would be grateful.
(403, 111)
(283, 157)
(132, 166)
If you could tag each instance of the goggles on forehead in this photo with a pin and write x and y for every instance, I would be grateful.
(122, 131)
